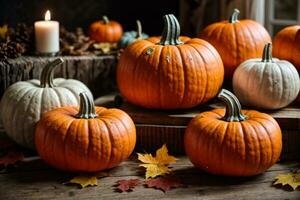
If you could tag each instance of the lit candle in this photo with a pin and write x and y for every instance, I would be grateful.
(47, 35)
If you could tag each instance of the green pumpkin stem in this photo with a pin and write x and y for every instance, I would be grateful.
(233, 107)
(171, 31)
(267, 53)
(234, 16)
(46, 79)
(87, 107)
(138, 30)
(105, 19)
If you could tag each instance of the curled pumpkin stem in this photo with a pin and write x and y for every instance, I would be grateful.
(234, 16)
(87, 107)
(105, 19)
(46, 79)
(267, 53)
(171, 31)
(138, 30)
(233, 107)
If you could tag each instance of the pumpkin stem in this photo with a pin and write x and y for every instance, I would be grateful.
(171, 31)
(87, 107)
(46, 79)
(234, 16)
(138, 30)
(233, 107)
(105, 19)
(267, 53)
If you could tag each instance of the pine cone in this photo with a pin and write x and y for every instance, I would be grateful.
(23, 35)
(11, 49)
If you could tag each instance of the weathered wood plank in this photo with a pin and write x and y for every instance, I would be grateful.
(156, 127)
(46, 184)
(97, 72)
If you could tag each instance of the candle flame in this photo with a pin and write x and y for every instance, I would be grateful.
(48, 16)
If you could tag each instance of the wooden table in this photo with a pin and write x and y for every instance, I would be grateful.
(35, 180)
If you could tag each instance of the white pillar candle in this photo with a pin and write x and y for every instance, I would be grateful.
(47, 35)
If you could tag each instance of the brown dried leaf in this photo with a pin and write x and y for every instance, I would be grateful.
(128, 185)
(163, 183)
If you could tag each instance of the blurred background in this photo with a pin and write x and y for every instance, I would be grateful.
(193, 14)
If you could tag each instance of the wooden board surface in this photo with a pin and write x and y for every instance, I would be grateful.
(155, 127)
(35, 180)
(97, 72)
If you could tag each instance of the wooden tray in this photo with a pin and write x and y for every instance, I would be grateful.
(97, 72)
(155, 128)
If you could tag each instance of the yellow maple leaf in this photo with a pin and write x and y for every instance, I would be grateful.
(158, 165)
(84, 180)
(291, 179)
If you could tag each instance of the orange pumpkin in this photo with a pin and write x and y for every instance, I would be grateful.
(236, 40)
(232, 141)
(85, 139)
(170, 72)
(286, 45)
(105, 30)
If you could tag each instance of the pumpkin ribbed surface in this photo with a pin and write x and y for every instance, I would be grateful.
(169, 72)
(236, 41)
(286, 45)
(24, 102)
(86, 145)
(233, 142)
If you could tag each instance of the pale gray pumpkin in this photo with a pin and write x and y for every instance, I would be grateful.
(24, 102)
(266, 83)
(131, 36)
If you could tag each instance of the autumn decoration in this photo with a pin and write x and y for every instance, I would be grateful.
(24, 102)
(232, 141)
(286, 45)
(236, 40)
(131, 36)
(170, 72)
(85, 138)
(105, 30)
(266, 83)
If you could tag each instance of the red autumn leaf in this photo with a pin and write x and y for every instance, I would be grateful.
(128, 185)
(11, 157)
(163, 183)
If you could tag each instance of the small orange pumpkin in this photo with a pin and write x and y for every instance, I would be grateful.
(85, 139)
(286, 45)
(236, 40)
(106, 30)
(170, 72)
(232, 141)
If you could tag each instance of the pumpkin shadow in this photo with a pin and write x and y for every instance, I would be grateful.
(195, 177)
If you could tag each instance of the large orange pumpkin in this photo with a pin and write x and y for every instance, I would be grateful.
(106, 30)
(286, 45)
(236, 40)
(85, 139)
(233, 142)
(170, 72)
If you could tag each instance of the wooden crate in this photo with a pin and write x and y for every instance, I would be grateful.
(155, 128)
(97, 72)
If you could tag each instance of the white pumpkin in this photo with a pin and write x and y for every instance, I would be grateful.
(266, 83)
(24, 102)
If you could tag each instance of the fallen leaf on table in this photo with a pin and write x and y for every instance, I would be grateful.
(292, 179)
(158, 165)
(84, 180)
(128, 185)
(11, 157)
(163, 183)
